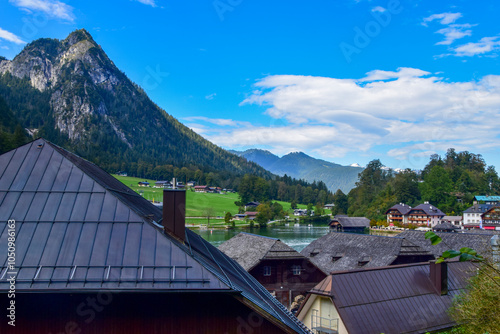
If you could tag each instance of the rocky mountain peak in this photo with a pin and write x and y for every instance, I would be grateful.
(79, 36)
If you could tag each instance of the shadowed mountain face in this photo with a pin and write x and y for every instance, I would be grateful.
(72, 94)
(301, 166)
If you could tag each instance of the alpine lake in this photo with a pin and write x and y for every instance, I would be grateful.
(295, 236)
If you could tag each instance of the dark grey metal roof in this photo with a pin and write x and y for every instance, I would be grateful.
(397, 299)
(80, 229)
(345, 251)
(249, 249)
(402, 208)
(429, 210)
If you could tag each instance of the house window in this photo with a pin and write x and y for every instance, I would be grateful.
(267, 270)
(296, 269)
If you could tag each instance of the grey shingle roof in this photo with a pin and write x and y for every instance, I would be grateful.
(478, 208)
(352, 221)
(348, 249)
(249, 249)
(446, 226)
(478, 241)
(370, 303)
(80, 229)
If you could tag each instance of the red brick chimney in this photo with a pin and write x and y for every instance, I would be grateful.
(439, 277)
(174, 213)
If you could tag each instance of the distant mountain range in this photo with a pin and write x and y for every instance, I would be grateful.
(301, 166)
(69, 92)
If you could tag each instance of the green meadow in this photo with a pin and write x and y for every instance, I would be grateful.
(196, 203)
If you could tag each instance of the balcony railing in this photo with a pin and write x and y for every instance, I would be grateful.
(324, 325)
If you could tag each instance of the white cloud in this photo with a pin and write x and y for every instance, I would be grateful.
(443, 18)
(454, 32)
(8, 36)
(151, 3)
(407, 112)
(52, 8)
(378, 9)
(485, 45)
(211, 96)
(216, 121)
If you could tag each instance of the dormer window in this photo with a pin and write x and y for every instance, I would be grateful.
(363, 261)
(314, 252)
(337, 256)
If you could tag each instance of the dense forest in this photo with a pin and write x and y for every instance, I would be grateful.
(449, 183)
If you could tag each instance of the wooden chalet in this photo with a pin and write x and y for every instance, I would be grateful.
(349, 251)
(92, 256)
(349, 224)
(411, 298)
(279, 268)
(201, 189)
(491, 218)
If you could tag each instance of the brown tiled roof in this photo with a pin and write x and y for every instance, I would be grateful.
(396, 299)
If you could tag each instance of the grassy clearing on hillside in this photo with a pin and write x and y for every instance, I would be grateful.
(195, 202)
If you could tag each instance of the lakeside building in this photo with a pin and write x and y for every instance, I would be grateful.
(398, 214)
(416, 299)
(93, 256)
(349, 251)
(279, 268)
(349, 224)
(423, 214)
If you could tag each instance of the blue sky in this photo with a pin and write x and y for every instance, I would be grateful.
(346, 81)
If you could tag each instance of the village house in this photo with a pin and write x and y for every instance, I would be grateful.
(201, 189)
(143, 184)
(93, 256)
(415, 299)
(453, 220)
(488, 200)
(425, 214)
(163, 184)
(472, 216)
(279, 268)
(251, 206)
(491, 218)
(251, 215)
(349, 224)
(349, 251)
(398, 214)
